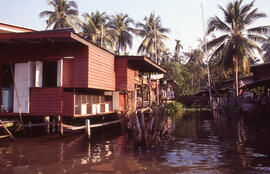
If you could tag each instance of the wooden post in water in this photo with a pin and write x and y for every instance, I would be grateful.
(60, 125)
(53, 124)
(30, 126)
(47, 121)
(142, 120)
(87, 128)
(137, 122)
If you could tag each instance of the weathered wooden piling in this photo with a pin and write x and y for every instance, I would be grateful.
(53, 124)
(87, 128)
(47, 122)
(60, 125)
(30, 126)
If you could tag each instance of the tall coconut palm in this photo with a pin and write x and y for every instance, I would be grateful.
(120, 25)
(95, 28)
(266, 49)
(147, 30)
(237, 43)
(64, 15)
(178, 46)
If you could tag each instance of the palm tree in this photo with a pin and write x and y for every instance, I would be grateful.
(120, 25)
(95, 28)
(64, 15)
(178, 46)
(266, 49)
(147, 30)
(237, 43)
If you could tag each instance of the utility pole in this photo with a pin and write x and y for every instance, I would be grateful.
(155, 35)
(207, 58)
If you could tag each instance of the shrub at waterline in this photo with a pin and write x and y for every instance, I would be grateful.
(174, 107)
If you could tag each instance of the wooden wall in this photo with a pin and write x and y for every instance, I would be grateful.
(74, 70)
(101, 72)
(261, 73)
(68, 103)
(125, 76)
(46, 101)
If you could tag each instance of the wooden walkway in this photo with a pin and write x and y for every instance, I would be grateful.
(70, 127)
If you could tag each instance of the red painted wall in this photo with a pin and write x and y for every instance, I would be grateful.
(46, 101)
(101, 72)
(121, 66)
(68, 103)
(125, 76)
(74, 70)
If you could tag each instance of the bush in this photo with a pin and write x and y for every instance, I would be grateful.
(174, 107)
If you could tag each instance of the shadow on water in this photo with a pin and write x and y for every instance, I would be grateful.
(201, 143)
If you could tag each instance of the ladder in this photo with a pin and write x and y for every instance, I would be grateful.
(8, 133)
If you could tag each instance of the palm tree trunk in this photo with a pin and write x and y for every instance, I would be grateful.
(235, 62)
(118, 48)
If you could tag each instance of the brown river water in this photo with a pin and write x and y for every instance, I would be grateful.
(202, 143)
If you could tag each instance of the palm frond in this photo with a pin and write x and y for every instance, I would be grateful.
(252, 16)
(257, 38)
(259, 30)
(46, 13)
(217, 41)
(216, 24)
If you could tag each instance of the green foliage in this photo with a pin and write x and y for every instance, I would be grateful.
(96, 29)
(64, 15)
(258, 91)
(189, 78)
(235, 46)
(174, 107)
(147, 30)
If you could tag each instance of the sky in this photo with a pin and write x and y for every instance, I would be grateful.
(183, 17)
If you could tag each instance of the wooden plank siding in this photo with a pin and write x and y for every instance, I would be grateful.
(80, 70)
(101, 72)
(125, 75)
(261, 74)
(121, 66)
(68, 103)
(46, 101)
(130, 79)
(68, 74)
(74, 70)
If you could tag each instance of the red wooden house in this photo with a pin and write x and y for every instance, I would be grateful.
(58, 73)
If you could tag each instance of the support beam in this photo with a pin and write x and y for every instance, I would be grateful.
(47, 122)
(60, 125)
(30, 126)
(87, 128)
(53, 124)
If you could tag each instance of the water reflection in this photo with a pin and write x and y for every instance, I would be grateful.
(201, 143)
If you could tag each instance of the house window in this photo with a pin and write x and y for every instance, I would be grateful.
(49, 74)
(92, 104)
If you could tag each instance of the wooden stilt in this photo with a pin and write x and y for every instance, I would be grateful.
(87, 128)
(47, 122)
(60, 125)
(142, 120)
(53, 124)
(30, 126)
(137, 122)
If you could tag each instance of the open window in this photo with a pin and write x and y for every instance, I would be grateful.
(49, 77)
(7, 88)
(49, 74)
